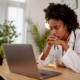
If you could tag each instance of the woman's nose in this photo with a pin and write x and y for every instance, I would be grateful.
(53, 31)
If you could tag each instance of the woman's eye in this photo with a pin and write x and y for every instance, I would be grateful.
(56, 28)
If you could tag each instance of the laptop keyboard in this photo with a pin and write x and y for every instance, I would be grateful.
(43, 74)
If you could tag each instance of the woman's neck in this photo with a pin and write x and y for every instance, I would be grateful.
(66, 36)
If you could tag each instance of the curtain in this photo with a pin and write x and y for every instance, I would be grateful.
(15, 10)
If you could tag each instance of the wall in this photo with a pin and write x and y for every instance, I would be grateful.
(37, 15)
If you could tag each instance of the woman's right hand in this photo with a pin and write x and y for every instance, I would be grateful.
(50, 40)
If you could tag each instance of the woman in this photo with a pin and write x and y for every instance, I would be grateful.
(64, 41)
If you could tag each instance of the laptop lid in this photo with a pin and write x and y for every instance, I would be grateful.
(21, 60)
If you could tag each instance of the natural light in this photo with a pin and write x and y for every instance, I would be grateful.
(18, 0)
(16, 14)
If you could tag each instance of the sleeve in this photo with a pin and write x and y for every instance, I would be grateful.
(49, 58)
(71, 59)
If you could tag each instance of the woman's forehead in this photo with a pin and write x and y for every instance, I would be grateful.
(54, 22)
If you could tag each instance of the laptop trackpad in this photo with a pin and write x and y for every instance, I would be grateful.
(47, 73)
(43, 74)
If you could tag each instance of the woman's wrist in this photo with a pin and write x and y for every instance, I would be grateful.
(46, 52)
(64, 45)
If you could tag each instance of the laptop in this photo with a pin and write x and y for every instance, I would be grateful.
(21, 60)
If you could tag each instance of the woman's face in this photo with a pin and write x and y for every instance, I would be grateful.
(58, 29)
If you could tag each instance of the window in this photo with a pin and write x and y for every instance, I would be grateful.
(16, 12)
(16, 15)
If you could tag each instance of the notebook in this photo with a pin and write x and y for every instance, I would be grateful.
(21, 60)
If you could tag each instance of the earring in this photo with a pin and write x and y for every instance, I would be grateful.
(70, 27)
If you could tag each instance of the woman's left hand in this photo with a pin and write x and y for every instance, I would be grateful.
(62, 43)
(57, 42)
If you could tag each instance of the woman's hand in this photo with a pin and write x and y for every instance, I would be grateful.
(53, 40)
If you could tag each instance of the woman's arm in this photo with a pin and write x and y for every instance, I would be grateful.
(45, 53)
(48, 59)
(50, 42)
(71, 58)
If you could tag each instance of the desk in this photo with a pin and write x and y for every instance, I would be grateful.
(67, 74)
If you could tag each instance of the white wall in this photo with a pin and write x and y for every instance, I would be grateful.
(37, 15)
(78, 10)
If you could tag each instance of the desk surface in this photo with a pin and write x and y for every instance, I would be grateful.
(67, 74)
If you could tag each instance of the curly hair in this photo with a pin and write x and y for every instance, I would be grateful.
(64, 13)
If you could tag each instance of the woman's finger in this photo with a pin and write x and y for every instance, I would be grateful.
(50, 42)
(52, 39)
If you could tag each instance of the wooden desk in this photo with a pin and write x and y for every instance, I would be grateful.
(67, 74)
